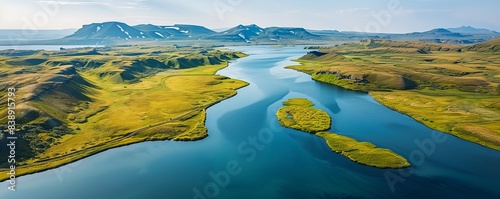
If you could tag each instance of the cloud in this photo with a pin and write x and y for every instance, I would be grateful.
(134, 4)
(75, 3)
(351, 10)
(132, 7)
(408, 12)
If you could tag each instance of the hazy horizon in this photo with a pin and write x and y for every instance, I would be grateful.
(387, 16)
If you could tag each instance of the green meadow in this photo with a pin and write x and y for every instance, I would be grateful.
(451, 88)
(77, 102)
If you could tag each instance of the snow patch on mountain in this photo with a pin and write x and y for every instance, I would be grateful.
(243, 37)
(159, 34)
(171, 27)
(128, 35)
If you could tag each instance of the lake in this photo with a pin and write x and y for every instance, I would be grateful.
(249, 155)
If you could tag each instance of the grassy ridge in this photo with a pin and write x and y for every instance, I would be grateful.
(489, 46)
(451, 88)
(299, 114)
(363, 152)
(75, 104)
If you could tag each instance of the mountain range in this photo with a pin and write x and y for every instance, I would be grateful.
(472, 30)
(119, 32)
(240, 33)
(461, 35)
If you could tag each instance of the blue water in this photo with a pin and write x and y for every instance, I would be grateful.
(249, 155)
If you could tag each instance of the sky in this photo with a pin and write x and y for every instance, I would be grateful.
(390, 16)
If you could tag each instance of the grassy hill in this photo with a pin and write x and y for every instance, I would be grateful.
(77, 102)
(489, 46)
(454, 89)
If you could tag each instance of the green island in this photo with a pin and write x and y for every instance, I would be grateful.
(74, 103)
(299, 114)
(451, 88)
(363, 152)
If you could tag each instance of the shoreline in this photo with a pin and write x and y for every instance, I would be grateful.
(300, 114)
(62, 161)
(391, 107)
(427, 125)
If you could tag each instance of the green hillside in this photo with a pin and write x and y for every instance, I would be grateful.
(451, 88)
(489, 46)
(77, 102)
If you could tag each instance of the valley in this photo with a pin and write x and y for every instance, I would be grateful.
(233, 99)
(132, 93)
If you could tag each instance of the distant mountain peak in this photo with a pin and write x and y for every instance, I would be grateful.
(436, 33)
(254, 26)
(251, 27)
(472, 30)
(440, 30)
(106, 30)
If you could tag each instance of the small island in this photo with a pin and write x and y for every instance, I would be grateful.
(363, 152)
(299, 114)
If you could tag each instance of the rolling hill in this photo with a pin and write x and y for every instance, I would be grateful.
(72, 103)
(489, 46)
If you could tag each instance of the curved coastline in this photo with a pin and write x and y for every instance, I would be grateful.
(478, 135)
(56, 162)
(290, 155)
